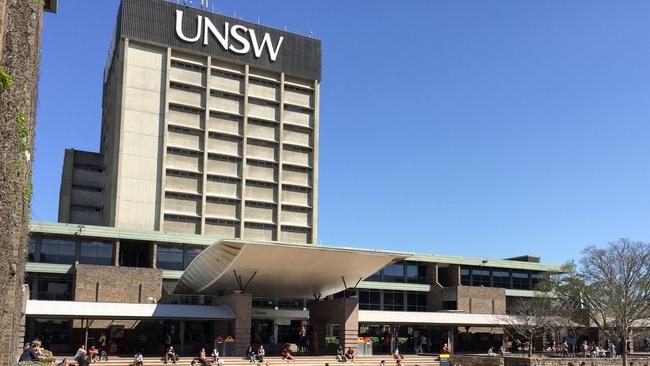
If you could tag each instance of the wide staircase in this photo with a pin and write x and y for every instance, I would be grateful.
(277, 360)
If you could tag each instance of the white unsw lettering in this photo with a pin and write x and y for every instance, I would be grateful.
(237, 32)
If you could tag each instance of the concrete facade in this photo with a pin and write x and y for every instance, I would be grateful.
(342, 312)
(240, 328)
(193, 143)
(81, 198)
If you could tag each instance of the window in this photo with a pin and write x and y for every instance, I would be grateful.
(369, 300)
(375, 276)
(481, 277)
(31, 256)
(536, 278)
(55, 250)
(191, 253)
(54, 288)
(96, 252)
(465, 277)
(520, 281)
(501, 279)
(393, 301)
(416, 273)
(394, 273)
(170, 257)
(416, 301)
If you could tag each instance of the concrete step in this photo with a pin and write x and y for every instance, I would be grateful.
(276, 360)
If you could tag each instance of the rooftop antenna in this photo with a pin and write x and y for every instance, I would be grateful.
(258, 20)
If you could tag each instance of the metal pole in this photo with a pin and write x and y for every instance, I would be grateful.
(86, 331)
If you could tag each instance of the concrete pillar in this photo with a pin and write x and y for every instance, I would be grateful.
(240, 327)
(344, 312)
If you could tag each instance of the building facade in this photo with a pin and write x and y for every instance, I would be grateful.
(199, 136)
(189, 224)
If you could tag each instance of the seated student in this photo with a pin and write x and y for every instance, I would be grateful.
(397, 355)
(340, 355)
(103, 355)
(138, 360)
(261, 353)
(170, 355)
(382, 363)
(215, 355)
(286, 354)
(93, 352)
(64, 362)
(491, 352)
(350, 354)
(250, 355)
(203, 360)
(31, 353)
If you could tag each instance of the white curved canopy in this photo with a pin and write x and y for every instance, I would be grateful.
(279, 269)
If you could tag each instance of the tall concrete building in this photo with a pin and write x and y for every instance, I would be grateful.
(210, 126)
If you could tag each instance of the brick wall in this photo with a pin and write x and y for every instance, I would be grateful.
(481, 300)
(117, 284)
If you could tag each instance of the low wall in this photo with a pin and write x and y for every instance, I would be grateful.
(475, 360)
(484, 360)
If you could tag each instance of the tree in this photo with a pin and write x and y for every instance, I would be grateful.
(617, 288)
(530, 318)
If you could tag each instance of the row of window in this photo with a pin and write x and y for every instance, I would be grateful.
(502, 278)
(66, 251)
(62, 250)
(388, 300)
(410, 272)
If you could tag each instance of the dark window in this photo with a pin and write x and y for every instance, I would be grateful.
(31, 256)
(520, 281)
(393, 301)
(266, 303)
(57, 251)
(191, 253)
(135, 254)
(536, 278)
(297, 304)
(481, 277)
(501, 279)
(375, 276)
(416, 273)
(54, 288)
(394, 272)
(96, 252)
(169, 257)
(369, 300)
(465, 278)
(416, 301)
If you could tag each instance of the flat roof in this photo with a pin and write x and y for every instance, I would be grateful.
(124, 311)
(279, 269)
(107, 232)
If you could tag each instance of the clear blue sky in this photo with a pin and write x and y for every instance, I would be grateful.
(486, 129)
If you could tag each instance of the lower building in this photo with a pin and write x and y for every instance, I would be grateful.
(129, 289)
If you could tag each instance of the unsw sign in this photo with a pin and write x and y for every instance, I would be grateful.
(234, 38)
(183, 28)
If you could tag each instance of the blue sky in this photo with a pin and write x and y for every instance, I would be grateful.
(486, 129)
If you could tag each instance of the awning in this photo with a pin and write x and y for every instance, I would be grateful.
(124, 311)
(279, 270)
(437, 318)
